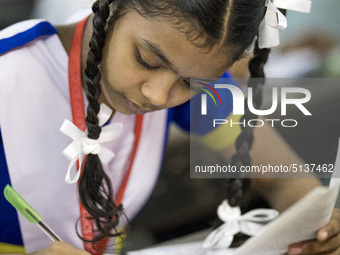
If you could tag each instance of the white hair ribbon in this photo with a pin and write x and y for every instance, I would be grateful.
(274, 20)
(82, 145)
(250, 224)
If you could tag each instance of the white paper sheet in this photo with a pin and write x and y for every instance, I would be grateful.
(300, 222)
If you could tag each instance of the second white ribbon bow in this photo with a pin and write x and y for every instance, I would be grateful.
(274, 20)
(82, 145)
(249, 223)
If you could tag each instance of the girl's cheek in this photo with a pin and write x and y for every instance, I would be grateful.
(180, 96)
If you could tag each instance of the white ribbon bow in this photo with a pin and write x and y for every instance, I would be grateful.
(82, 145)
(274, 20)
(250, 224)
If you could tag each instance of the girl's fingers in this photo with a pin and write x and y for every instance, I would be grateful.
(316, 247)
(332, 228)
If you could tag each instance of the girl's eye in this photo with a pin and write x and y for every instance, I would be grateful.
(143, 63)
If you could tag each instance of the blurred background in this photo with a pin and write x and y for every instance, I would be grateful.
(310, 47)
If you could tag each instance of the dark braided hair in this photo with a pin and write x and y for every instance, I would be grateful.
(237, 186)
(232, 23)
(95, 188)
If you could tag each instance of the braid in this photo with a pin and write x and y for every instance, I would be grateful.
(238, 186)
(95, 188)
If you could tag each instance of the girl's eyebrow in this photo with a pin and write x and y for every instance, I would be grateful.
(156, 50)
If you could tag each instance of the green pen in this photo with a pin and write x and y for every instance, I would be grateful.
(28, 212)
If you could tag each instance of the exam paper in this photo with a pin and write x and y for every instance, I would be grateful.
(300, 222)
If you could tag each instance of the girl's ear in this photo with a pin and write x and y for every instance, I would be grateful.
(249, 52)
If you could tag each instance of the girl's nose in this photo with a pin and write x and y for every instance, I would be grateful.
(157, 90)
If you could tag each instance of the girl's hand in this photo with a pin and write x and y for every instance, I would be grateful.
(60, 248)
(327, 242)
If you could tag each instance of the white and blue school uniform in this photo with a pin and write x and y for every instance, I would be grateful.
(35, 100)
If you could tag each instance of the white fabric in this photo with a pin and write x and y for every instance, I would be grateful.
(34, 100)
(274, 20)
(18, 28)
(250, 223)
(82, 145)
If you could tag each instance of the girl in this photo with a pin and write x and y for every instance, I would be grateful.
(137, 58)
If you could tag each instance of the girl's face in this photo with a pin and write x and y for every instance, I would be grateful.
(147, 64)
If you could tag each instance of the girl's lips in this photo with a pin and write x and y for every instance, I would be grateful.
(136, 109)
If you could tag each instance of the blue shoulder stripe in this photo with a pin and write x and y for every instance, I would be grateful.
(20, 39)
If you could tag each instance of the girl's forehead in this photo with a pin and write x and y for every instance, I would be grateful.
(162, 38)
